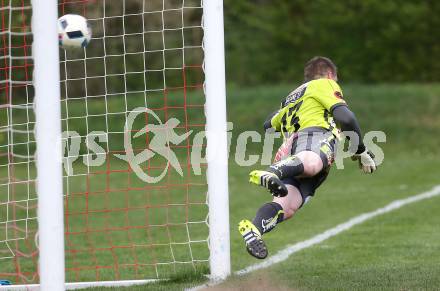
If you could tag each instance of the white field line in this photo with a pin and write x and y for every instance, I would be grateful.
(80, 285)
(282, 255)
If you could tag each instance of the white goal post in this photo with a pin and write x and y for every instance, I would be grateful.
(69, 211)
(48, 138)
(217, 139)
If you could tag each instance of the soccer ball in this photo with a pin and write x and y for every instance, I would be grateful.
(73, 31)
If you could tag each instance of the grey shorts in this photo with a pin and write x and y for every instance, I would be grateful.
(321, 142)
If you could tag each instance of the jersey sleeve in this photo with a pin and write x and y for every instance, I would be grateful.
(268, 123)
(275, 120)
(328, 93)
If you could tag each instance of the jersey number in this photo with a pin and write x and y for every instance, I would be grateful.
(291, 115)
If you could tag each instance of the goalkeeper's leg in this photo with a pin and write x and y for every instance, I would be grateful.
(303, 164)
(267, 217)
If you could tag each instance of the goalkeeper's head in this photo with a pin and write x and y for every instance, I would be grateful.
(320, 67)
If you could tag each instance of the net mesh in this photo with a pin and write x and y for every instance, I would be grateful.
(143, 54)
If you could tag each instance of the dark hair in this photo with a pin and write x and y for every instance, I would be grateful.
(318, 67)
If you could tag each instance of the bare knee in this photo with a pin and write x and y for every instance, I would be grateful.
(291, 202)
(312, 163)
(289, 212)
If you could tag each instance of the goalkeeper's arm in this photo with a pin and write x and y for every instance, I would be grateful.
(268, 123)
(348, 122)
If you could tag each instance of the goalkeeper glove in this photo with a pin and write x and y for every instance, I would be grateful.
(366, 161)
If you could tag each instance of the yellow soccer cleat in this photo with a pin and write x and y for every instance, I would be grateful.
(270, 181)
(252, 237)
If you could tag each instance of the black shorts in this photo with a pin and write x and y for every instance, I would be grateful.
(323, 143)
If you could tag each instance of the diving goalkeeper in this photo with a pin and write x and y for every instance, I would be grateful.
(310, 119)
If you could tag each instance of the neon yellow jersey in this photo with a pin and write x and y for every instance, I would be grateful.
(309, 105)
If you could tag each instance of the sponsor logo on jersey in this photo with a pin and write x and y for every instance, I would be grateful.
(295, 94)
(338, 95)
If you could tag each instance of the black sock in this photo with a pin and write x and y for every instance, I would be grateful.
(268, 216)
(290, 167)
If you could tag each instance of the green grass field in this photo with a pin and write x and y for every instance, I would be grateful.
(396, 251)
